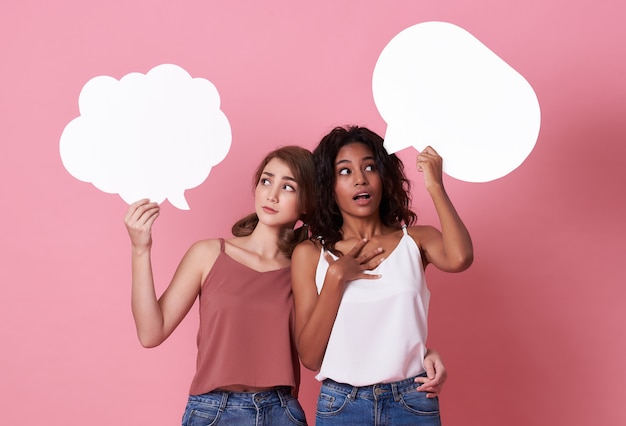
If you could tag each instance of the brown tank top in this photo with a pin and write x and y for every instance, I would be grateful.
(246, 333)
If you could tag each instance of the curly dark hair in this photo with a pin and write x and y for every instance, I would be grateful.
(300, 161)
(395, 205)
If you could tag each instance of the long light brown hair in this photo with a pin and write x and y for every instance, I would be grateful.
(300, 162)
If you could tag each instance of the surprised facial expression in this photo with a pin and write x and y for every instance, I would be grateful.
(358, 186)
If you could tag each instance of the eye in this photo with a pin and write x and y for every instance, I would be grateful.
(370, 168)
(289, 188)
(264, 182)
(344, 171)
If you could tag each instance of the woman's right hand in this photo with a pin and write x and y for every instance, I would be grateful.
(138, 220)
(353, 265)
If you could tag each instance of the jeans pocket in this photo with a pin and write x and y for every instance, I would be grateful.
(417, 403)
(294, 412)
(329, 402)
(198, 414)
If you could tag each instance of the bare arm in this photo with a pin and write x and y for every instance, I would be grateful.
(315, 315)
(451, 249)
(155, 319)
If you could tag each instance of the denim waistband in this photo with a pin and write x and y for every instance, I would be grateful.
(260, 399)
(377, 391)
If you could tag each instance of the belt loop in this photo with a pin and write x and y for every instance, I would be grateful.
(396, 394)
(283, 400)
(224, 401)
(355, 390)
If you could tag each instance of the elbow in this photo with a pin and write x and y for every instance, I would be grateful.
(147, 344)
(311, 364)
(309, 360)
(463, 262)
(149, 341)
(467, 261)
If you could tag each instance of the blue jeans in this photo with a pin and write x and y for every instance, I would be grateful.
(395, 403)
(272, 407)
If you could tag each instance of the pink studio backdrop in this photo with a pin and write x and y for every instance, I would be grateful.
(532, 334)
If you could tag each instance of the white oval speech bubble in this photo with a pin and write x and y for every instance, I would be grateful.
(148, 135)
(436, 84)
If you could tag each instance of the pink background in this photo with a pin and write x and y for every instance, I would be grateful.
(532, 334)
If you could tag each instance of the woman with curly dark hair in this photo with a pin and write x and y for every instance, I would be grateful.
(361, 322)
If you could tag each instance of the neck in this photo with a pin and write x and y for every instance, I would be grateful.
(264, 241)
(362, 228)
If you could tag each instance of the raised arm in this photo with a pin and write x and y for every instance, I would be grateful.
(155, 319)
(315, 314)
(451, 249)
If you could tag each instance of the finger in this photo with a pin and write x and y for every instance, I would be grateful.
(356, 249)
(368, 276)
(373, 264)
(430, 389)
(422, 161)
(143, 216)
(427, 389)
(428, 152)
(145, 211)
(426, 383)
(431, 150)
(152, 218)
(140, 202)
(429, 366)
(134, 207)
(425, 159)
(421, 379)
(369, 256)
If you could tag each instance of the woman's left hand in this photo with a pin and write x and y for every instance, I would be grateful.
(436, 375)
(431, 164)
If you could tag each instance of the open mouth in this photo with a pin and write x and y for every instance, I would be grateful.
(363, 196)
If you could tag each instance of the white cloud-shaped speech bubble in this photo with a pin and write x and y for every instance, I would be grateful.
(148, 135)
(436, 84)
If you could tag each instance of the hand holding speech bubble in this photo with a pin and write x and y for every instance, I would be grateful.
(147, 136)
(436, 84)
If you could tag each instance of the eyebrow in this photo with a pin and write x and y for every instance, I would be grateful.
(283, 178)
(368, 157)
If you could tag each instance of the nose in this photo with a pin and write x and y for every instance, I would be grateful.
(359, 178)
(272, 196)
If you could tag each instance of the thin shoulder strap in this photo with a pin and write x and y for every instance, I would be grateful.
(222, 245)
(404, 230)
(320, 240)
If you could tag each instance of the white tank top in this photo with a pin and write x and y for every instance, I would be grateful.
(379, 335)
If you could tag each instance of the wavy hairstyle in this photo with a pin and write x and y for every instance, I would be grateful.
(395, 205)
(300, 162)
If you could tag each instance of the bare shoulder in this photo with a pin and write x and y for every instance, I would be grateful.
(422, 234)
(202, 254)
(194, 267)
(307, 247)
(305, 253)
(207, 247)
